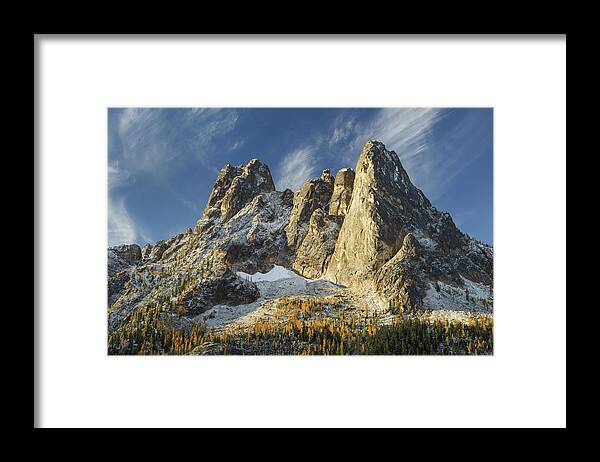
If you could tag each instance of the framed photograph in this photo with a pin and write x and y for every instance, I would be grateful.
(301, 260)
(324, 220)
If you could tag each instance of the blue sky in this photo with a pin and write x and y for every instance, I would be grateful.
(162, 163)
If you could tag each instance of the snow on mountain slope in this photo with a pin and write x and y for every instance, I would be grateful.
(473, 297)
(272, 285)
(278, 272)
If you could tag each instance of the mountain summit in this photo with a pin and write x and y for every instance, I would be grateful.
(235, 186)
(393, 240)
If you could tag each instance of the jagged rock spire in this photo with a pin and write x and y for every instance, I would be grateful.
(381, 204)
(236, 186)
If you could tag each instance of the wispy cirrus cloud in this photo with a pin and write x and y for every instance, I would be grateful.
(116, 175)
(237, 145)
(296, 167)
(121, 228)
(156, 142)
(147, 144)
(405, 130)
(408, 132)
(433, 151)
(345, 129)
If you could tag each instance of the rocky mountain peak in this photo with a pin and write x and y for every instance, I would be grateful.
(383, 203)
(383, 169)
(236, 186)
(326, 177)
(392, 238)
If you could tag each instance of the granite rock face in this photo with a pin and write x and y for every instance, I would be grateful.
(236, 186)
(117, 283)
(316, 248)
(121, 259)
(314, 194)
(399, 281)
(342, 192)
(383, 202)
(219, 285)
(129, 253)
(254, 239)
(158, 249)
(393, 240)
(146, 250)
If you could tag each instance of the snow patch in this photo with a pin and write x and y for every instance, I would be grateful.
(424, 240)
(277, 273)
(451, 298)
